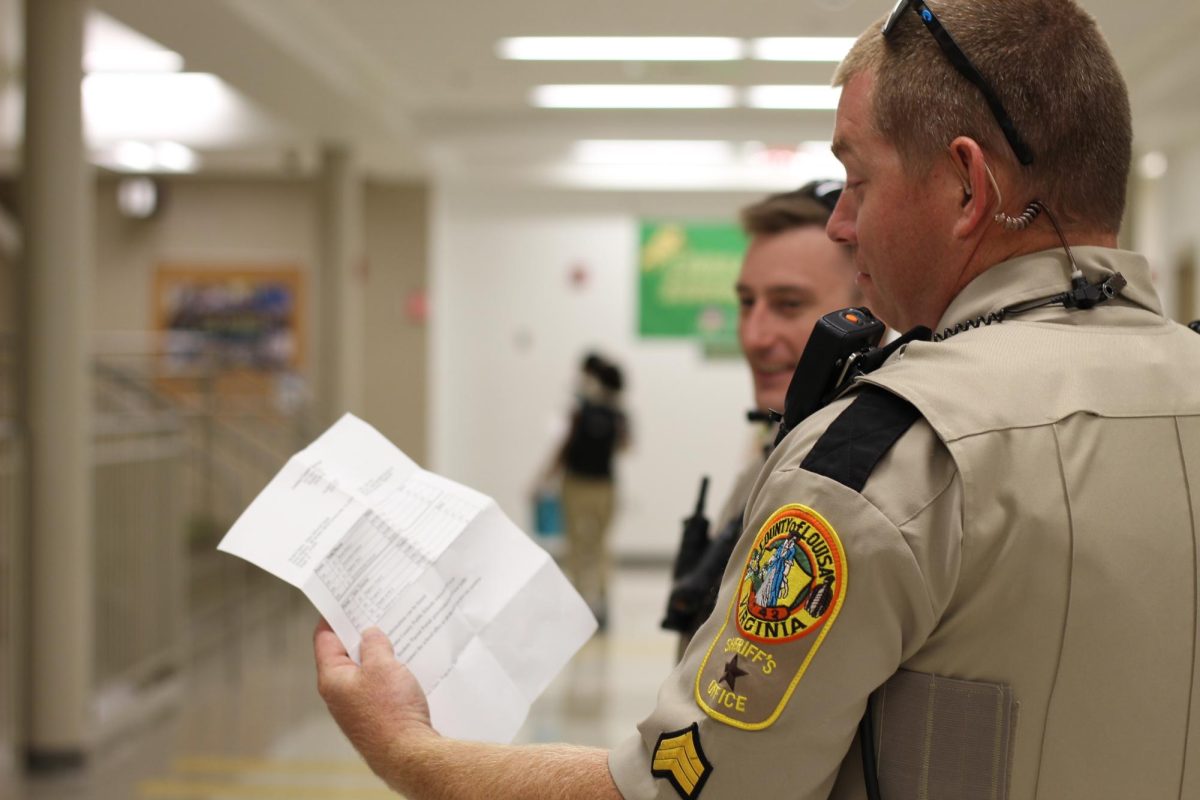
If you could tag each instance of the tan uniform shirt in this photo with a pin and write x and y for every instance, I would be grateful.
(1019, 575)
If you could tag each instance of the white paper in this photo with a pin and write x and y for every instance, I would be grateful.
(480, 614)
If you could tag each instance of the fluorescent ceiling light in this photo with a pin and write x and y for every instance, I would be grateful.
(113, 47)
(651, 151)
(153, 106)
(802, 97)
(633, 96)
(801, 48)
(621, 48)
(719, 166)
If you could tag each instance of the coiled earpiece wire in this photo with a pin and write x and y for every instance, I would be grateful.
(1026, 218)
(1082, 295)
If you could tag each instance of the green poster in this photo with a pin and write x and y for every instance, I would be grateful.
(686, 275)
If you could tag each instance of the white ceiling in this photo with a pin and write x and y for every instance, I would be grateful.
(415, 86)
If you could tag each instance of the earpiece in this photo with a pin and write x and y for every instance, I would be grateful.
(1018, 223)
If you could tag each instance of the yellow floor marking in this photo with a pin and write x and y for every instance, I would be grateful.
(185, 790)
(226, 764)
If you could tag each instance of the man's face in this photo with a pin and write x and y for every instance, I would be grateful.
(891, 219)
(788, 281)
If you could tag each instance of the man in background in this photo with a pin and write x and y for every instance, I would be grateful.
(599, 429)
(791, 275)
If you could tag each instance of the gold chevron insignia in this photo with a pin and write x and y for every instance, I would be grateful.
(680, 759)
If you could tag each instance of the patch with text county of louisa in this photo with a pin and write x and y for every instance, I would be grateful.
(790, 592)
(679, 758)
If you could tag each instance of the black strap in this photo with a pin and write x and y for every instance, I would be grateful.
(874, 359)
(861, 435)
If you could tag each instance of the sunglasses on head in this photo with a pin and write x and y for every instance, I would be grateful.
(824, 192)
(964, 66)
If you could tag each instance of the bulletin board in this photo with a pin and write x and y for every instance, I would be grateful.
(242, 324)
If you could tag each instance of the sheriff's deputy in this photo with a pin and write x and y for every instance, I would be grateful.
(991, 541)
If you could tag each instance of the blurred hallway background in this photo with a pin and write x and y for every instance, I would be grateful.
(254, 215)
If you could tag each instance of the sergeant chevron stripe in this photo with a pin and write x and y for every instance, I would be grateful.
(680, 759)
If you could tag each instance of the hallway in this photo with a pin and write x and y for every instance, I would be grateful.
(245, 720)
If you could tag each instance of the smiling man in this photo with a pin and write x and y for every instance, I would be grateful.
(791, 274)
(1001, 516)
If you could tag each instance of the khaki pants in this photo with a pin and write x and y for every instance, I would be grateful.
(587, 513)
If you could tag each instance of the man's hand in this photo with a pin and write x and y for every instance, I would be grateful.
(383, 712)
(379, 706)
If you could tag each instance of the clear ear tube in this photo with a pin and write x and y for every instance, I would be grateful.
(1018, 223)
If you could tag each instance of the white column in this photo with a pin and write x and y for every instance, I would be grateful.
(57, 188)
(341, 285)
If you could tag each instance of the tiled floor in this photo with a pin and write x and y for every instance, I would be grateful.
(245, 721)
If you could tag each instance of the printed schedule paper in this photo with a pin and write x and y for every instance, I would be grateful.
(479, 612)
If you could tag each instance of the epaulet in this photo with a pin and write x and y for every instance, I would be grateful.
(860, 437)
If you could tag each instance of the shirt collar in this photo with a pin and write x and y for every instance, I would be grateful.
(1048, 272)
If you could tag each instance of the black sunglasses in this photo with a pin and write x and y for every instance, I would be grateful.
(961, 63)
(824, 192)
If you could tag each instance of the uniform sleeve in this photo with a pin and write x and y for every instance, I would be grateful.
(735, 503)
(828, 591)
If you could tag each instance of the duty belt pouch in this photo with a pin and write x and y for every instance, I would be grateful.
(944, 739)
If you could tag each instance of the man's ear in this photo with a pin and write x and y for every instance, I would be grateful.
(978, 194)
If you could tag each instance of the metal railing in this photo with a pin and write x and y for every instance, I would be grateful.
(177, 463)
(221, 449)
(173, 467)
(138, 453)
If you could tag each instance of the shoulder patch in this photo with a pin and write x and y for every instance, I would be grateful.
(680, 759)
(792, 588)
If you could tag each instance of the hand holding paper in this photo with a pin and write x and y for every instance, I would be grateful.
(479, 613)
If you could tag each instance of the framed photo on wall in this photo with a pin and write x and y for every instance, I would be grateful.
(241, 325)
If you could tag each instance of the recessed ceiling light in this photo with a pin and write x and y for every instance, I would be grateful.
(633, 96)
(621, 48)
(175, 157)
(813, 97)
(801, 48)
(136, 156)
(652, 151)
(133, 157)
(694, 165)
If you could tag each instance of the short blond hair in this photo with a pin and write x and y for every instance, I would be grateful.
(1052, 69)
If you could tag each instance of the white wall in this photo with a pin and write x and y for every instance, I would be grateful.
(507, 333)
(1166, 224)
(1181, 212)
